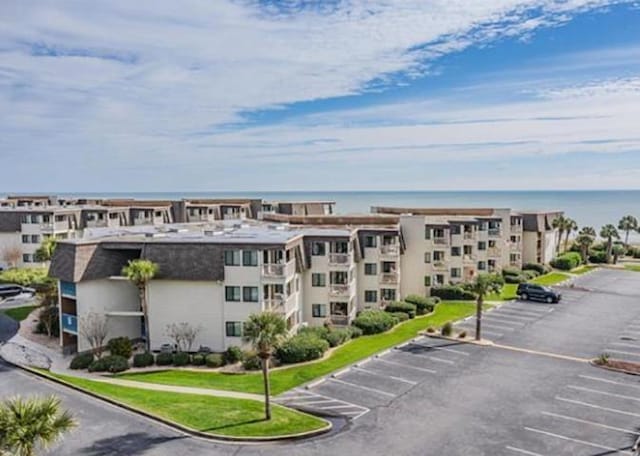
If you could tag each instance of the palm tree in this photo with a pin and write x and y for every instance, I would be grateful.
(140, 272)
(29, 423)
(609, 232)
(585, 241)
(265, 330)
(483, 285)
(46, 249)
(588, 230)
(570, 226)
(618, 250)
(627, 223)
(559, 224)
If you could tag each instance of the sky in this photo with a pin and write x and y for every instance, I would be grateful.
(247, 95)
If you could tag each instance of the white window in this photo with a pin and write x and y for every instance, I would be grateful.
(319, 310)
(232, 257)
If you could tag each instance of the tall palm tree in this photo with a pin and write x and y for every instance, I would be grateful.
(570, 226)
(609, 232)
(588, 230)
(46, 249)
(483, 285)
(26, 424)
(584, 241)
(559, 224)
(140, 272)
(627, 224)
(265, 330)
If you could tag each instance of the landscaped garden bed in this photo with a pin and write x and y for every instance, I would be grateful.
(618, 365)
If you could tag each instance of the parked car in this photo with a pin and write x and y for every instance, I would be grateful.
(9, 290)
(534, 292)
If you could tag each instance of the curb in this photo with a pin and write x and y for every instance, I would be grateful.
(613, 369)
(176, 426)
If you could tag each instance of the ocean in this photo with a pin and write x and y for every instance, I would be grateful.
(588, 208)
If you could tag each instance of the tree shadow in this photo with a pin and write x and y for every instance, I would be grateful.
(132, 443)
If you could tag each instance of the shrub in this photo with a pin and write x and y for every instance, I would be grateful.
(399, 317)
(143, 359)
(597, 256)
(508, 271)
(251, 361)
(397, 306)
(431, 329)
(540, 268)
(423, 305)
(48, 314)
(302, 347)
(453, 292)
(462, 335)
(603, 359)
(374, 321)
(338, 336)
(447, 329)
(81, 361)
(515, 278)
(233, 355)
(120, 346)
(318, 331)
(355, 332)
(567, 261)
(116, 363)
(181, 359)
(198, 359)
(99, 365)
(164, 359)
(214, 360)
(530, 274)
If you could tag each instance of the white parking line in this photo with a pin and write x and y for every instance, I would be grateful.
(609, 350)
(366, 388)
(623, 344)
(606, 409)
(470, 327)
(323, 401)
(521, 451)
(578, 420)
(427, 356)
(490, 324)
(604, 393)
(435, 347)
(606, 380)
(331, 407)
(378, 374)
(583, 442)
(512, 311)
(393, 363)
(509, 318)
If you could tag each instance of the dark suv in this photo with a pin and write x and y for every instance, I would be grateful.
(532, 291)
(9, 290)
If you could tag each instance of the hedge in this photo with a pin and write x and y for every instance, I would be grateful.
(233, 355)
(214, 360)
(453, 293)
(520, 278)
(81, 361)
(338, 336)
(508, 271)
(567, 261)
(198, 359)
(302, 347)
(423, 304)
(120, 346)
(355, 332)
(251, 361)
(597, 256)
(405, 307)
(181, 359)
(374, 321)
(539, 268)
(143, 359)
(111, 363)
(164, 359)
(400, 316)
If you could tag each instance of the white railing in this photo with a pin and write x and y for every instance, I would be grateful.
(273, 270)
(468, 236)
(390, 249)
(494, 231)
(493, 252)
(389, 277)
(339, 289)
(440, 240)
(469, 258)
(340, 259)
(440, 265)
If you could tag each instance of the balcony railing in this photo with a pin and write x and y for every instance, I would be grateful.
(340, 320)
(389, 277)
(440, 240)
(516, 228)
(468, 236)
(493, 252)
(390, 249)
(494, 232)
(440, 265)
(469, 258)
(339, 289)
(70, 323)
(274, 304)
(339, 259)
(273, 270)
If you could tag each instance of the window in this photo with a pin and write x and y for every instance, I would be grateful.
(482, 265)
(26, 258)
(289, 287)
(35, 239)
(427, 232)
(456, 273)
(427, 281)
(370, 296)
(318, 279)
(455, 251)
(25, 238)
(338, 277)
(249, 258)
(438, 255)
(482, 245)
(388, 267)
(232, 293)
(234, 328)
(318, 249)
(439, 279)
(370, 269)
(339, 308)
(340, 247)
(232, 257)
(455, 229)
(319, 310)
(370, 241)
(427, 257)
(388, 294)
(250, 294)
(467, 250)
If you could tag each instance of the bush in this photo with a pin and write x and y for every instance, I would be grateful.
(453, 293)
(397, 306)
(82, 361)
(181, 359)
(302, 347)
(111, 363)
(447, 329)
(48, 314)
(143, 359)
(164, 359)
(374, 321)
(423, 305)
(510, 272)
(120, 346)
(462, 335)
(233, 355)
(400, 317)
(338, 336)
(540, 268)
(198, 359)
(598, 257)
(251, 361)
(567, 261)
(99, 365)
(355, 332)
(530, 274)
(318, 331)
(214, 360)
(515, 278)
(431, 329)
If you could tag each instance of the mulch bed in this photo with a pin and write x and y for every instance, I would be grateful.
(627, 367)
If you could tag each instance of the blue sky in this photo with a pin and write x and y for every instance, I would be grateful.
(333, 95)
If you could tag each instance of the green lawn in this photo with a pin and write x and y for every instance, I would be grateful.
(552, 278)
(508, 292)
(583, 269)
(290, 377)
(19, 313)
(214, 415)
(632, 267)
(509, 289)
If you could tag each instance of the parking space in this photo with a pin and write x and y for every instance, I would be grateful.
(380, 380)
(626, 345)
(595, 413)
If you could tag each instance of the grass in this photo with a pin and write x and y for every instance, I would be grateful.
(228, 417)
(290, 377)
(552, 278)
(19, 313)
(583, 269)
(509, 290)
(632, 267)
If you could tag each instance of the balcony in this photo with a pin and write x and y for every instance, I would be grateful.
(469, 259)
(468, 236)
(389, 278)
(516, 228)
(339, 259)
(495, 232)
(339, 320)
(69, 323)
(274, 304)
(391, 249)
(493, 252)
(273, 270)
(440, 241)
(440, 266)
